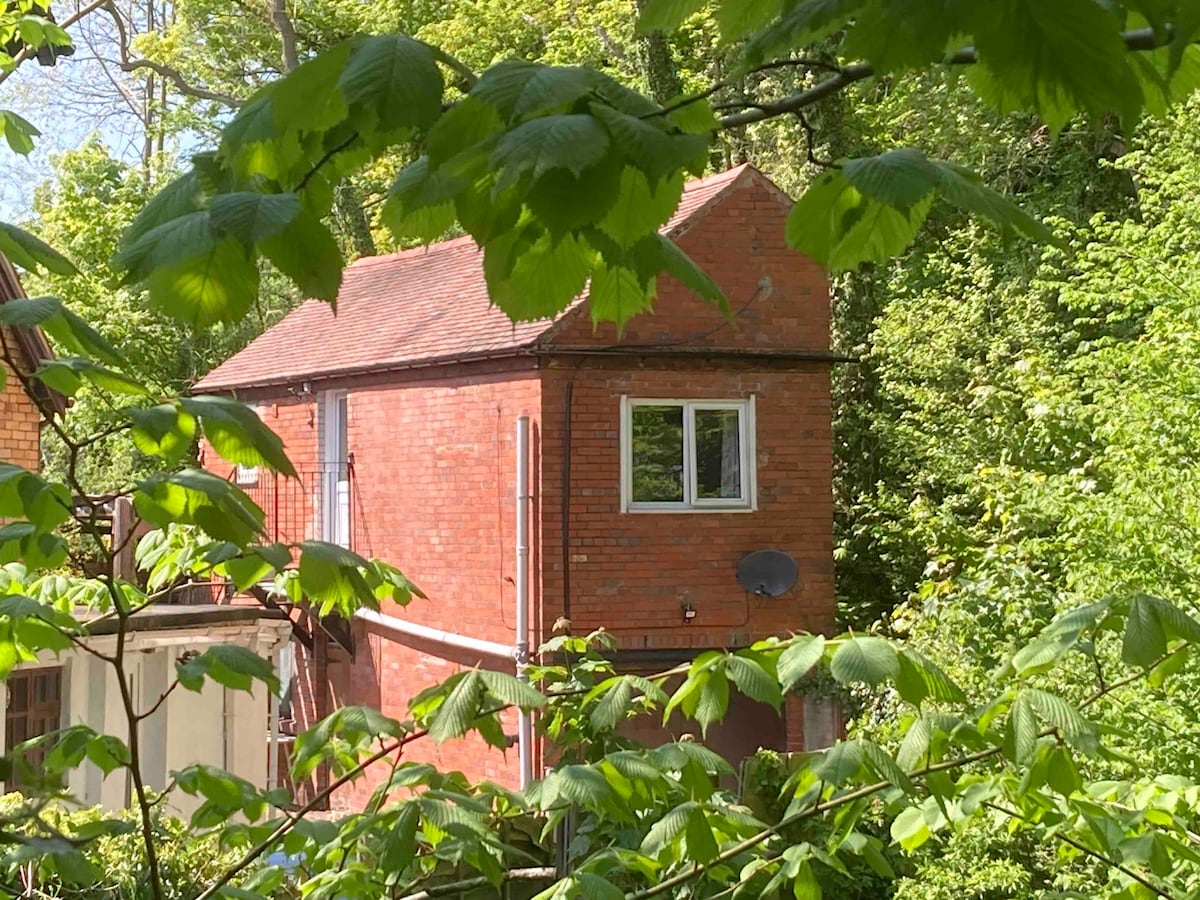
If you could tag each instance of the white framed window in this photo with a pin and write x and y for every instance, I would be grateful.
(687, 455)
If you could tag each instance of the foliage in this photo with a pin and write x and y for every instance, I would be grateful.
(117, 859)
(563, 175)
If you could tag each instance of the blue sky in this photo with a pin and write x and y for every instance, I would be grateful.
(83, 95)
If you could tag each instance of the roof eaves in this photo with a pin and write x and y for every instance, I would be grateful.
(525, 349)
(33, 343)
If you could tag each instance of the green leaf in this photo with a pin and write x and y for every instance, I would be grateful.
(66, 374)
(838, 226)
(894, 36)
(665, 15)
(164, 431)
(1187, 26)
(887, 767)
(230, 665)
(640, 209)
(868, 660)
(748, 674)
(840, 763)
(617, 295)
(18, 132)
(196, 497)
(805, 885)
(920, 679)
(394, 79)
(801, 24)
(511, 690)
(915, 745)
(306, 252)
(899, 178)
(593, 887)
(460, 709)
(1061, 772)
(1066, 56)
(910, 830)
(571, 142)
(535, 279)
(250, 217)
(1021, 737)
(737, 18)
(29, 252)
(666, 829)
(650, 145)
(701, 844)
(216, 286)
(798, 659)
(615, 702)
(184, 195)
(237, 433)
(170, 243)
(1057, 712)
(713, 699)
(966, 190)
(1151, 623)
(552, 89)
(69, 331)
(584, 786)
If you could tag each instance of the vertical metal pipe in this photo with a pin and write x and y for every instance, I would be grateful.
(273, 730)
(521, 578)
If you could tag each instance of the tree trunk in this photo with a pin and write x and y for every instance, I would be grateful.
(352, 219)
(658, 64)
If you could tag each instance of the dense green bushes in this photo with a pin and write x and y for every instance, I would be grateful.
(115, 865)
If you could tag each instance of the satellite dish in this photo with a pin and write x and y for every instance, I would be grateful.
(767, 573)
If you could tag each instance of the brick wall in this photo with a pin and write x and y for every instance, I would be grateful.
(20, 434)
(632, 572)
(433, 493)
(434, 484)
(779, 298)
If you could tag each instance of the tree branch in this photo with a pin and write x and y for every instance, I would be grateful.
(459, 888)
(26, 53)
(181, 85)
(1083, 848)
(1137, 40)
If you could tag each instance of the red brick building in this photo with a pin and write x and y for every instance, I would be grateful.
(658, 460)
(20, 424)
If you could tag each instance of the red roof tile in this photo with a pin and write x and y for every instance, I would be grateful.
(409, 308)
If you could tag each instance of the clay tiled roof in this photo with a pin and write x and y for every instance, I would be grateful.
(410, 308)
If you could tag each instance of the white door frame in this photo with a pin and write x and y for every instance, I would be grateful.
(334, 474)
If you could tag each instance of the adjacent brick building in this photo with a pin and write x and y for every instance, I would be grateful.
(659, 459)
(20, 423)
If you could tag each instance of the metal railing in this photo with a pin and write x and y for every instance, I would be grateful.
(318, 505)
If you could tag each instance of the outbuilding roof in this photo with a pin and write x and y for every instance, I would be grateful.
(416, 307)
(32, 343)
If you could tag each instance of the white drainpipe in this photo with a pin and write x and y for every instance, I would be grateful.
(435, 635)
(273, 733)
(521, 650)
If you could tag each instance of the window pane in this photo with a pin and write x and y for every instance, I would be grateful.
(718, 455)
(657, 454)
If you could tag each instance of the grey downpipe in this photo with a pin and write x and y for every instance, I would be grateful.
(521, 650)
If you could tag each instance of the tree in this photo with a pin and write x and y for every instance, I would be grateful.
(563, 175)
